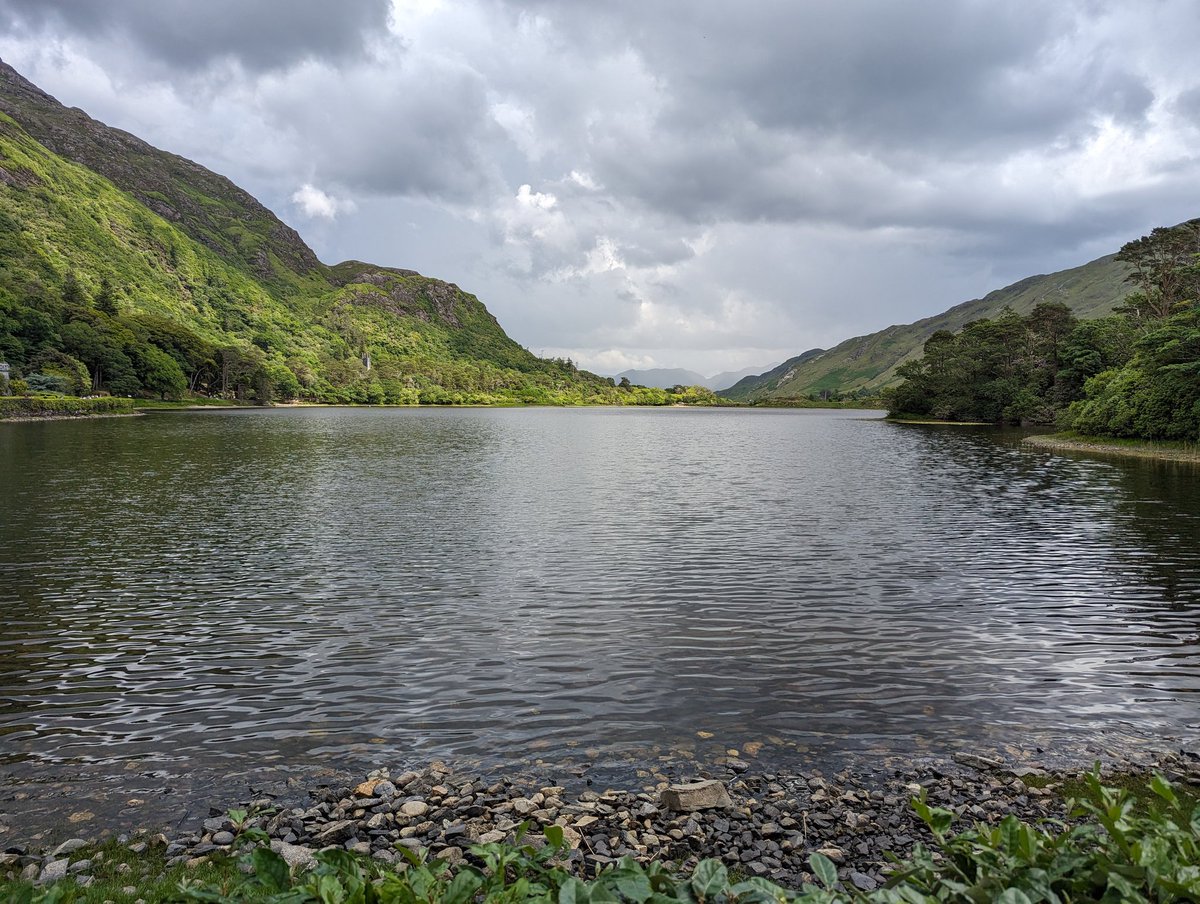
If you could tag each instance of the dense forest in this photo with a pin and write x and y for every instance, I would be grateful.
(1135, 373)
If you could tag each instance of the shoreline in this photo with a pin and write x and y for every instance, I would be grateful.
(35, 418)
(1128, 449)
(774, 818)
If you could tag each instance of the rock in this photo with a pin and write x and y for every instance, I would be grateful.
(703, 795)
(385, 790)
(297, 857)
(836, 854)
(335, 832)
(79, 866)
(70, 846)
(523, 806)
(216, 824)
(53, 871)
(862, 881)
(223, 839)
(414, 808)
(367, 788)
(30, 873)
(492, 837)
(974, 761)
(452, 855)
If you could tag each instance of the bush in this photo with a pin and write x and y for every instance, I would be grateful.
(42, 406)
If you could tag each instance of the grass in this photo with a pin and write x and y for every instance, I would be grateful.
(147, 874)
(1137, 784)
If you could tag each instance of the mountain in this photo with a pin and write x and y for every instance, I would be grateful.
(727, 378)
(130, 269)
(664, 377)
(667, 377)
(869, 363)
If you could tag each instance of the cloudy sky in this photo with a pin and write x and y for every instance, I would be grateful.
(696, 183)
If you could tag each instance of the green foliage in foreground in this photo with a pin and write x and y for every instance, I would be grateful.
(57, 406)
(1116, 848)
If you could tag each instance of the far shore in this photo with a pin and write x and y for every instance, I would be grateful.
(1163, 451)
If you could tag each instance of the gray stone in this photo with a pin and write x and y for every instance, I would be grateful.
(693, 796)
(297, 857)
(335, 832)
(80, 866)
(974, 761)
(53, 871)
(414, 808)
(224, 839)
(862, 881)
(70, 846)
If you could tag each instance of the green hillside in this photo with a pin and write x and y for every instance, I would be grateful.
(869, 362)
(129, 270)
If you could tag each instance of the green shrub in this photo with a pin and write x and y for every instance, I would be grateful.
(53, 406)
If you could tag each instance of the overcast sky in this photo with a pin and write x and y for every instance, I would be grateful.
(699, 184)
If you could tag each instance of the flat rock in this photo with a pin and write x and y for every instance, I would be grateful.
(335, 832)
(704, 795)
(70, 846)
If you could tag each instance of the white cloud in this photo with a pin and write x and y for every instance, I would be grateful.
(316, 204)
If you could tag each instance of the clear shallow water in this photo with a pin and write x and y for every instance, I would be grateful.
(219, 589)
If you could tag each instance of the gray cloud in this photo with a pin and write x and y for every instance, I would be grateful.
(261, 35)
(681, 183)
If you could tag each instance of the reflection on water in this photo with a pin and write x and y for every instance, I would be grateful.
(224, 587)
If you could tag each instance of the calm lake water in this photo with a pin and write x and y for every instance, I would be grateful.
(192, 592)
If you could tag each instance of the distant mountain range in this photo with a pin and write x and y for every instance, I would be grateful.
(869, 362)
(666, 377)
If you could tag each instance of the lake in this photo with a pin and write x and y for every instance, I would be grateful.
(200, 594)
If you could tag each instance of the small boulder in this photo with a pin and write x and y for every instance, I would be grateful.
(703, 795)
(297, 857)
(53, 871)
(414, 808)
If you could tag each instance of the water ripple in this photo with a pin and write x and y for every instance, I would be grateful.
(302, 584)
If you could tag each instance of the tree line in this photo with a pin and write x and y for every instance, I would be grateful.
(1135, 373)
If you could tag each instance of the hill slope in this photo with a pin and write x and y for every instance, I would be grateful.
(114, 253)
(869, 362)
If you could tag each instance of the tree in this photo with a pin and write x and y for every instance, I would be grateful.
(160, 373)
(72, 291)
(106, 299)
(1166, 270)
